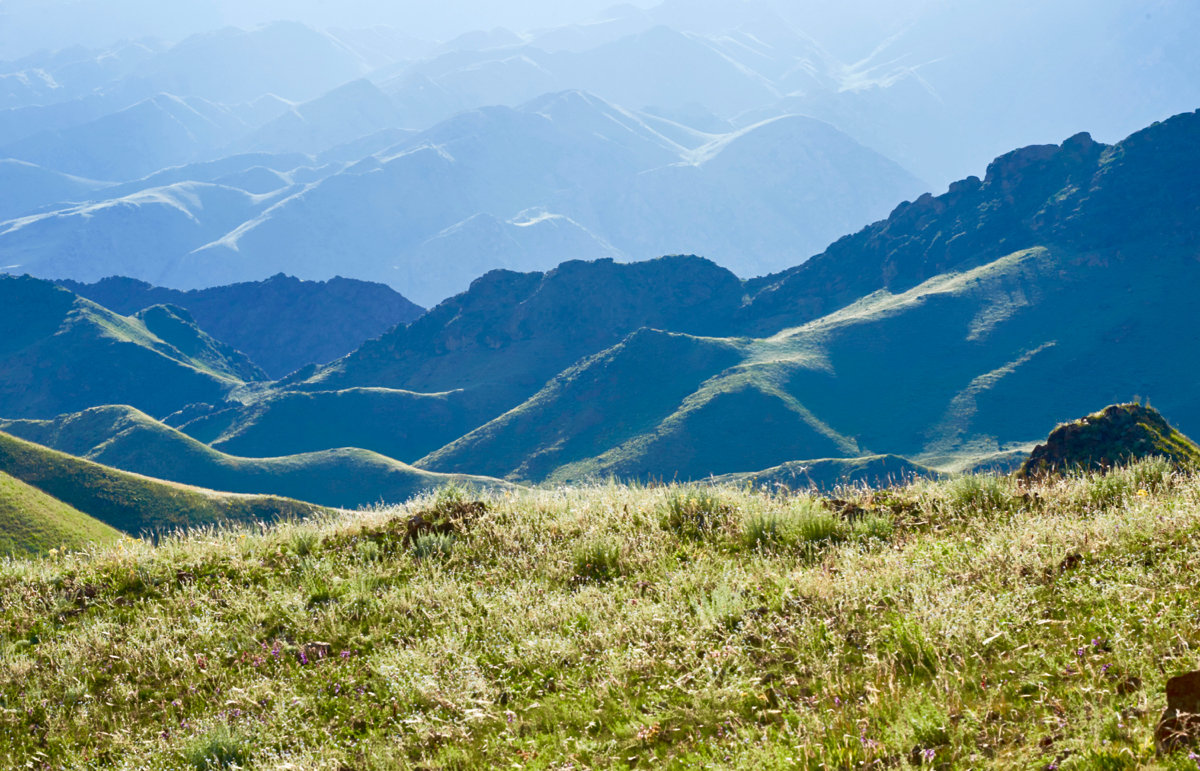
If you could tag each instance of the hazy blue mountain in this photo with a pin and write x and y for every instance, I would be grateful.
(281, 323)
(566, 176)
(135, 235)
(161, 131)
(346, 113)
(231, 65)
(25, 187)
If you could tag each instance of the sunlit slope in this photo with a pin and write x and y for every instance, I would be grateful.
(600, 403)
(32, 521)
(960, 367)
(124, 438)
(131, 502)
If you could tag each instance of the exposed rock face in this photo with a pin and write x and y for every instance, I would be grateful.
(1117, 434)
(1081, 195)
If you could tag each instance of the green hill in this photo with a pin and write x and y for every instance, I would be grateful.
(282, 323)
(399, 424)
(1117, 435)
(31, 521)
(131, 502)
(61, 353)
(124, 438)
(603, 402)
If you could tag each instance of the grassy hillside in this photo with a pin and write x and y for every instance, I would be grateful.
(971, 623)
(282, 323)
(399, 424)
(61, 353)
(962, 367)
(602, 402)
(31, 521)
(831, 473)
(131, 502)
(124, 438)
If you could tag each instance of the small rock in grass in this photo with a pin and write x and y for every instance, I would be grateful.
(312, 652)
(1180, 723)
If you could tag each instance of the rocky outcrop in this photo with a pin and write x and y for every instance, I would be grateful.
(1115, 435)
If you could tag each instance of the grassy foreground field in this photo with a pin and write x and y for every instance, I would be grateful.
(970, 623)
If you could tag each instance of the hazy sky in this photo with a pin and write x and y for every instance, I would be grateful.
(851, 27)
(30, 25)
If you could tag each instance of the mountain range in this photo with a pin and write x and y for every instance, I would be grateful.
(564, 175)
(953, 334)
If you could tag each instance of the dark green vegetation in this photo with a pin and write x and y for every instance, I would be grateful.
(126, 439)
(31, 521)
(281, 323)
(131, 502)
(61, 353)
(1116, 435)
(977, 622)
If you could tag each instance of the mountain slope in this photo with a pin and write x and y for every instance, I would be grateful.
(130, 502)
(281, 323)
(60, 352)
(613, 402)
(1083, 195)
(123, 438)
(161, 131)
(24, 187)
(511, 332)
(32, 521)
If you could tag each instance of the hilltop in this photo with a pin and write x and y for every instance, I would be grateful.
(281, 323)
(60, 353)
(1116, 435)
(970, 623)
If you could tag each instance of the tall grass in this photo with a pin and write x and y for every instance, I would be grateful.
(972, 623)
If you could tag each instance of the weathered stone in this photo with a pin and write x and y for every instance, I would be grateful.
(1180, 723)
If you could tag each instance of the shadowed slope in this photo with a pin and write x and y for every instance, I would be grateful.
(59, 353)
(592, 407)
(281, 323)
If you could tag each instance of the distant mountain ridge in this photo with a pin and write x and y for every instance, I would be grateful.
(282, 323)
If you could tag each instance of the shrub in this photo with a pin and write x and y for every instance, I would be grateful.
(218, 749)
(693, 513)
(597, 562)
(434, 545)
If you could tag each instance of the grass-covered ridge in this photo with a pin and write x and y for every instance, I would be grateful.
(31, 521)
(971, 623)
(130, 502)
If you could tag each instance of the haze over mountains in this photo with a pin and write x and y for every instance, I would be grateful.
(953, 334)
(752, 133)
(230, 236)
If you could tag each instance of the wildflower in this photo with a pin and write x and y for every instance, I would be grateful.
(1143, 493)
(929, 755)
(345, 654)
